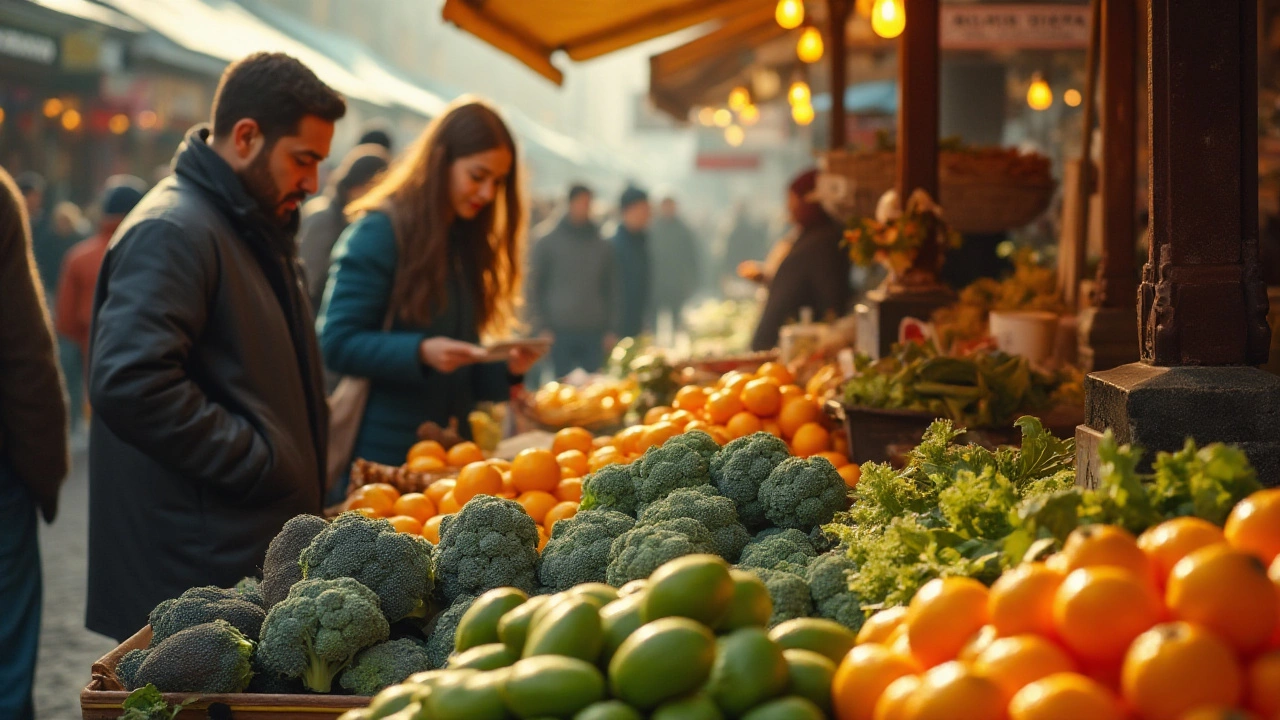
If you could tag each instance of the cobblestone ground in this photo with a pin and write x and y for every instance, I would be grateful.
(67, 649)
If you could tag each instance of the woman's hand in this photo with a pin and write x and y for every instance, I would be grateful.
(522, 359)
(446, 354)
(751, 270)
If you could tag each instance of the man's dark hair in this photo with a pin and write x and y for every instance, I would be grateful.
(376, 132)
(578, 189)
(275, 90)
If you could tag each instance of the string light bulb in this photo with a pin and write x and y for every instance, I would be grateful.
(739, 98)
(53, 107)
(888, 18)
(735, 136)
(1072, 98)
(1039, 94)
(706, 117)
(810, 47)
(118, 124)
(789, 14)
(799, 93)
(723, 118)
(749, 115)
(802, 114)
(71, 119)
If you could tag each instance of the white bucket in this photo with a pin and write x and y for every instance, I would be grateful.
(1028, 333)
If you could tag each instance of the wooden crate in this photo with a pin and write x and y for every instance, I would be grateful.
(103, 696)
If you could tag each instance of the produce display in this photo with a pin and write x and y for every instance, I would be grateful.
(721, 327)
(600, 402)
(963, 324)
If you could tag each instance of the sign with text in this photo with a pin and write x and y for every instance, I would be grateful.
(39, 49)
(727, 162)
(1014, 27)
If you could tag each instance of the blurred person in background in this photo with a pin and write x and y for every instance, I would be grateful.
(634, 262)
(324, 217)
(741, 239)
(676, 261)
(573, 288)
(33, 451)
(376, 132)
(210, 427)
(815, 272)
(431, 264)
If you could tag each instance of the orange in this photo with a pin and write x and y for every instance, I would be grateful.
(1254, 525)
(734, 382)
(863, 675)
(431, 529)
(1177, 667)
(374, 498)
(837, 459)
(464, 453)
(627, 439)
(697, 425)
(543, 537)
(406, 524)
(425, 464)
(719, 434)
(1065, 696)
(762, 396)
(1098, 611)
(1218, 712)
(573, 463)
(1015, 662)
(851, 474)
(723, 405)
(1022, 600)
(791, 392)
(1227, 592)
(977, 644)
(892, 704)
(656, 435)
(426, 448)
(691, 398)
(367, 512)
(436, 490)
(771, 426)
(449, 504)
(573, 438)
(778, 372)
(654, 414)
(537, 504)
(478, 478)
(951, 686)
(796, 414)
(500, 464)
(900, 643)
(943, 615)
(810, 439)
(1170, 541)
(680, 418)
(1105, 545)
(604, 456)
(1263, 682)
(743, 424)
(415, 505)
(559, 511)
(535, 469)
(569, 490)
(877, 627)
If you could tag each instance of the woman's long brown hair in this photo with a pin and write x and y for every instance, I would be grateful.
(415, 193)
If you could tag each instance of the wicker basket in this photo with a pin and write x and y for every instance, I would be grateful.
(364, 473)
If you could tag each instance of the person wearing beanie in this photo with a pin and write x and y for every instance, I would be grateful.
(815, 273)
(631, 251)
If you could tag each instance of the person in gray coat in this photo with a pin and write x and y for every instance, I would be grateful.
(573, 288)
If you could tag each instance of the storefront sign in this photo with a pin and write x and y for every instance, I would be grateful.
(727, 162)
(39, 49)
(1014, 27)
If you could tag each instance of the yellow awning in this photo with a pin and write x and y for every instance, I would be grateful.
(532, 30)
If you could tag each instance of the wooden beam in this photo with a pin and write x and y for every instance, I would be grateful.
(1117, 182)
(838, 12)
(654, 24)
(918, 82)
(507, 39)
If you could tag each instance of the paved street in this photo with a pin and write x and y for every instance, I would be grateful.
(67, 650)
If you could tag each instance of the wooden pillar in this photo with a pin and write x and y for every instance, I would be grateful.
(837, 19)
(918, 73)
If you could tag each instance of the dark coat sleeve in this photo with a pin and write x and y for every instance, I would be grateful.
(33, 410)
(153, 301)
(539, 269)
(789, 291)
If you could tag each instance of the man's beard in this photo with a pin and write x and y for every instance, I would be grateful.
(258, 183)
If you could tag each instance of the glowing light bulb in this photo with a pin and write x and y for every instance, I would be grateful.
(723, 118)
(789, 14)
(735, 136)
(862, 8)
(739, 98)
(147, 119)
(706, 117)
(1072, 98)
(749, 115)
(1, 115)
(799, 93)
(888, 18)
(1039, 95)
(810, 47)
(118, 124)
(802, 114)
(71, 119)
(52, 108)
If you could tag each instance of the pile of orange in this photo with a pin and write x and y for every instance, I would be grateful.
(429, 456)
(1181, 623)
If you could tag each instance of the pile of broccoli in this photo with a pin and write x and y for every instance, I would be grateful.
(396, 566)
(579, 549)
(490, 543)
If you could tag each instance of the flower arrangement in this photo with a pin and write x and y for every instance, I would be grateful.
(894, 237)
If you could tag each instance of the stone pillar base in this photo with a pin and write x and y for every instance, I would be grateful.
(1108, 338)
(882, 312)
(1158, 408)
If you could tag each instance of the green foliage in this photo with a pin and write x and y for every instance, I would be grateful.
(146, 703)
(716, 512)
(395, 565)
(741, 468)
(385, 664)
(490, 543)
(212, 657)
(578, 550)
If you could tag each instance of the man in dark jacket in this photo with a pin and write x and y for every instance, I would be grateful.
(572, 288)
(676, 261)
(33, 450)
(631, 250)
(209, 424)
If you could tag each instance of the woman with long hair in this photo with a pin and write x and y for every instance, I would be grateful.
(431, 264)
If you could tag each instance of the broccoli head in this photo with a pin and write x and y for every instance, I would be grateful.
(699, 442)
(200, 605)
(441, 639)
(384, 665)
(489, 543)
(281, 570)
(828, 578)
(271, 682)
(250, 589)
(212, 657)
(803, 493)
(612, 487)
(716, 512)
(789, 593)
(776, 549)
(643, 549)
(578, 551)
(394, 565)
(662, 470)
(741, 468)
(316, 631)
